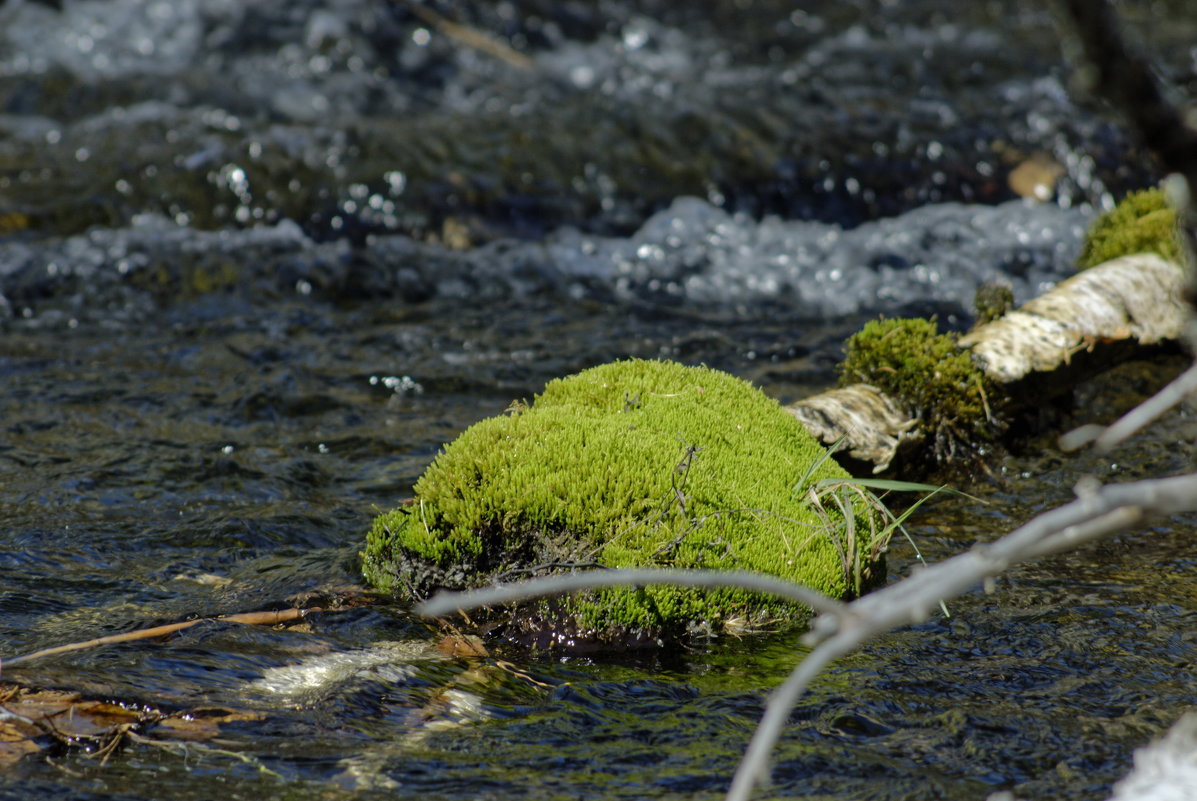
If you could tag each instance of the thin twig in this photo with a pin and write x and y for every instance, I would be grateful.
(471, 37)
(185, 749)
(1102, 512)
(444, 603)
(248, 618)
(1104, 439)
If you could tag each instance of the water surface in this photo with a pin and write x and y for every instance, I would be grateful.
(271, 258)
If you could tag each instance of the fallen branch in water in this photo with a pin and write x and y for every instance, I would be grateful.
(1133, 300)
(870, 425)
(1136, 298)
(187, 750)
(247, 618)
(840, 628)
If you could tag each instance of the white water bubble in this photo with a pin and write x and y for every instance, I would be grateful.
(400, 385)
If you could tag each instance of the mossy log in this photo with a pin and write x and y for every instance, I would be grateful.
(908, 387)
(629, 464)
(914, 396)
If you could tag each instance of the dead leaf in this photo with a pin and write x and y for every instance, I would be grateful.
(200, 724)
(465, 645)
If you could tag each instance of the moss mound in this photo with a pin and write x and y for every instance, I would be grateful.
(927, 372)
(633, 463)
(1142, 223)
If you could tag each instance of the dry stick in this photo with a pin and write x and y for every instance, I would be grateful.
(842, 628)
(1181, 387)
(185, 749)
(444, 603)
(1127, 80)
(1097, 513)
(471, 37)
(248, 618)
(1105, 438)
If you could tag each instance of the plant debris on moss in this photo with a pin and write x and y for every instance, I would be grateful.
(928, 373)
(633, 463)
(1142, 222)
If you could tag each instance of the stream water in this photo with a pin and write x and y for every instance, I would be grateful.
(259, 261)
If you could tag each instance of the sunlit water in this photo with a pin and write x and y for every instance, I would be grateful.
(277, 322)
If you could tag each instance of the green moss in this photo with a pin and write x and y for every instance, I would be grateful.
(991, 302)
(634, 463)
(925, 371)
(1142, 223)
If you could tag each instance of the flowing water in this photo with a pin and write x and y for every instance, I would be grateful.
(259, 261)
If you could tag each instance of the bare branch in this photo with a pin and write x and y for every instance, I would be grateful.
(445, 603)
(1099, 511)
(1136, 297)
(1104, 439)
(1127, 80)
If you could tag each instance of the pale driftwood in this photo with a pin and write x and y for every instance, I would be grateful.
(1134, 297)
(868, 424)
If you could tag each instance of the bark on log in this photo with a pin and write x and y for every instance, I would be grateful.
(1137, 299)
(1134, 297)
(869, 425)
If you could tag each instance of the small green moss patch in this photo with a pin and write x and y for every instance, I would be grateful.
(991, 302)
(925, 371)
(1142, 223)
(633, 463)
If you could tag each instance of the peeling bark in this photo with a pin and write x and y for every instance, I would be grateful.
(1134, 299)
(872, 426)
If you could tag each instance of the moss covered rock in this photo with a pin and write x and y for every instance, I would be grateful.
(1142, 223)
(633, 463)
